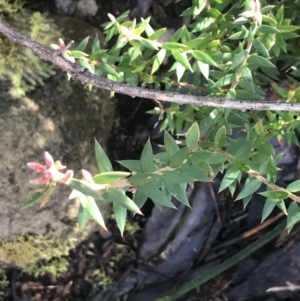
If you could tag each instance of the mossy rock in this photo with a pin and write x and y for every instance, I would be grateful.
(62, 118)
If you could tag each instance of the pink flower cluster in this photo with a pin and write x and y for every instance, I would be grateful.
(50, 171)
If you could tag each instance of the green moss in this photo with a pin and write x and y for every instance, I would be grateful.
(37, 255)
(3, 280)
(18, 63)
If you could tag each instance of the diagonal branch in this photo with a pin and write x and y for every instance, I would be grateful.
(86, 77)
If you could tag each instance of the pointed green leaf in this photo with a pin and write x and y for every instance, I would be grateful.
(120, 215)
(247, 76)
(251, 187)
(93, 210)
(139, 198)
(239, 59)
(261, 48)
(35, 197)
(220, 138)
(141, 179)
(96, 44)
(152, 191)
(83, 216)
(260, 61)
(132, 165)
(108, 69)
(275, 194)
(177, 176)
(203, 57)
(246, 200)
(118, 196)
(294, 186)
(181, 57)
(179, 158)
(110, 177)
(170, 144)
(293, 208)
(103, 162)
(147, 158)
(178, 191)
(150, 44)
(268, 208)
(82, 45)
(281, 205)
(157, 34)
(192, 136)
(240, 149)
(200, 156)
(190, 172)
(225, 80)
(231, 175)
(84, 187)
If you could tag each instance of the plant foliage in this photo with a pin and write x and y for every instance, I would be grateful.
(233, 49)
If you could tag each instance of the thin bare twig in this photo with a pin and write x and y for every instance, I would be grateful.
(78, 72)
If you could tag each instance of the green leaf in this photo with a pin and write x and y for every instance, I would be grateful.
(193, 173)
(268, 29)
(180, 69)
(247, 76)
(240, 149)
(293, 208)
(281, 205)
(275, 194)
(268, 208)
(203, 57)
(193, 135)
(170, 144)
(251, 187)
(147, 158)
(181, 57)
(120, 215)
(132, 165)
(97, 55)
(108, 69)
(178, 159)
(220, 138)
(246, 200)
(295, 218)
(260, 61)
(294, 186)
(158, 60)
(83, 215)
(78, 54)
(152, 191)
(118, 196)
(216, 159)
(239, 59)
(173, 46)
(150, 44)
(103, 162)
(110, 177)
(261, 48)
(200, 156)
(139, 198)
(85, 188)
(92, 209)
(231, 175)
(82, 45)
(35, 197)
(178, 191)
(225, 80)
(141, 179)
(96, 45)
(157, 34)
(177, 177)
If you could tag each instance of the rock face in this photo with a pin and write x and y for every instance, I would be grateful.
(62, 118)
